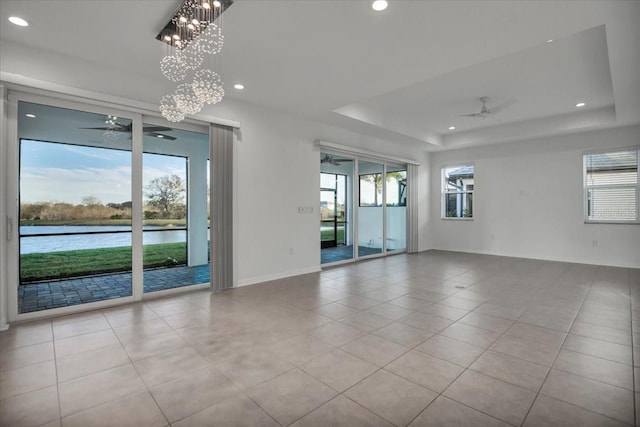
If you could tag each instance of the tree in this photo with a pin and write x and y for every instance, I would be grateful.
(91, 201)
(165, 194)
(376, 179)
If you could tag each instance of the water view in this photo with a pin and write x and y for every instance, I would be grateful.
(111, 236)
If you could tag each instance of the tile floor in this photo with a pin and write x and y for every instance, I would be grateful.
(429, 339)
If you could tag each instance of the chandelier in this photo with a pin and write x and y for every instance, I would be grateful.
(192, 40)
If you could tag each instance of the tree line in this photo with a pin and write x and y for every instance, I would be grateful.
(164, 199)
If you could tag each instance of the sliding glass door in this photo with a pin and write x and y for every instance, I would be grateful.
(375, 193)
(75, 207)
(175, 208)
(110, 206)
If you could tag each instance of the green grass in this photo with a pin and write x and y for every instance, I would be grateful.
(328, 235)
(63, 264)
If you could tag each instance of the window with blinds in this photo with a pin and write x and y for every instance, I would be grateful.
(611, 186)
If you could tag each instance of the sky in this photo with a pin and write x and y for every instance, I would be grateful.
(52, 172)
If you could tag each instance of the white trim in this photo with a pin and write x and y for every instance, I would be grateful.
(177, 290)
(4, 221)
(569, 259)
(72, 309)
(30, 85)
(137, 209)
(269, 277)
(379, 157)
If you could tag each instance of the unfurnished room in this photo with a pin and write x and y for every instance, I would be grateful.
(319, 213)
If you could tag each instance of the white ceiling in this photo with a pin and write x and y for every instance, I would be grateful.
(403, 75)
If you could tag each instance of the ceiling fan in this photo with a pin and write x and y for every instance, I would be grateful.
(148, 130)
(328, 158)
(486, 112)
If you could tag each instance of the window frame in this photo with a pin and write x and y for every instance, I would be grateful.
(586, 187)
(444, 193)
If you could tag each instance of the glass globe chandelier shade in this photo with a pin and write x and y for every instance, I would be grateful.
(192, 56)
(207, 85)
(173, 68)
(170, 110)
(211, 40)
(186, 99)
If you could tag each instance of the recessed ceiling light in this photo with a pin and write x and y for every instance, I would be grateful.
(379, 5)
(30, 115)
(452, 128)
(18, 21)
(550, 41)
(160, 136)
(238, 86)
(580, 104)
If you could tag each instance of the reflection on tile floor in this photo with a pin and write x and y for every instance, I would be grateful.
(434, 338)
(341, 253)
(63, 293)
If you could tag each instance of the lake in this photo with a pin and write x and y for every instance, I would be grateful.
(35, 244)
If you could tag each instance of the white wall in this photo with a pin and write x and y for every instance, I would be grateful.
(528, 202)
(277, 170)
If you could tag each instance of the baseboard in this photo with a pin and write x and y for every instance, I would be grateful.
(539, 258)
(276, 276)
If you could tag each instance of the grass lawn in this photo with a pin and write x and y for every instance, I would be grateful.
(58, 265)
(328, 234)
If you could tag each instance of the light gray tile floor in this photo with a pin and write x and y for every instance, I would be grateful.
(422, 339)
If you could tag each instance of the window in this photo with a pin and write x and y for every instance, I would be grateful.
(371, 189)
(611, 186)
(457, 191)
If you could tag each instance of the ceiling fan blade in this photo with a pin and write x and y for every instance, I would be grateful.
(156, 129)
(503, 106)
(114, 129)
(478, 115)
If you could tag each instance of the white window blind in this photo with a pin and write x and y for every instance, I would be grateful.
(611, 186)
